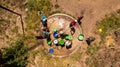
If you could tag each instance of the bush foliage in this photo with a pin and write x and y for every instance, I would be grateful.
(36, 5)
(109, 23)
(14, 56)
(99, 55)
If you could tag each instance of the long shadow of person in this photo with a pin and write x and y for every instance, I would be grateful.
(39, 37)
(63, 36)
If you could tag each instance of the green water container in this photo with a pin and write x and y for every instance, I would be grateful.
(49, 42)
(69, 37)
(55, 29)
(81, 37)
(62, 42)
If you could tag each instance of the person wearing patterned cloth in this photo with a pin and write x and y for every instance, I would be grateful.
(72, 25)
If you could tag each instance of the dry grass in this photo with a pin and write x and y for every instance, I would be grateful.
(43, 59)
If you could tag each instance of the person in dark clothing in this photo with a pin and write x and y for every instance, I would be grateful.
(79, 20)
(63, 35)
(46, 31)
(44, 23)
(89, 40)
(72, 28)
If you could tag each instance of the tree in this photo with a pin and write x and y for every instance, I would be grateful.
(14, 56)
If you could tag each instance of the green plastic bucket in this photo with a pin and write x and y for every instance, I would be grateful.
(81, 37)
(69, 37)
(49, 42)
(54, 29)
(62, 42)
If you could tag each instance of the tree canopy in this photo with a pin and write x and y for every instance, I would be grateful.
(14, 56)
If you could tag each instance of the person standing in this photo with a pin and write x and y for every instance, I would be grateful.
(79, 20)
(46, 32)
(68, 44)
(44, 21)
(72, 25)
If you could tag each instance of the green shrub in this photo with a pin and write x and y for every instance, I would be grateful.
(92, 49)
(15, 29)
(88, 61)
(43, 5)
(14, 56)
(109, 23)
(32, 19)
(118, 11)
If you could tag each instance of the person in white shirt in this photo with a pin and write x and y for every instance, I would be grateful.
(68, 44)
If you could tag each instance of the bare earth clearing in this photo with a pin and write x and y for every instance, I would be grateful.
(92, 10)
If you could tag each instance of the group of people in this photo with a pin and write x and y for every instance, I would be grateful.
(45, 28)
(46, 32)
(74, 23)
(63, 41)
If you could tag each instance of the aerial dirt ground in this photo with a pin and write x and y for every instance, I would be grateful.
(92, 10)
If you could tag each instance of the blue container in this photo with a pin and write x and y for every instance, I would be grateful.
(43, 18)
(55, 34)
(51, 50)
